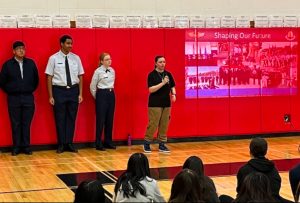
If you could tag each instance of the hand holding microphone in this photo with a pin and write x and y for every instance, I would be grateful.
(166, 79)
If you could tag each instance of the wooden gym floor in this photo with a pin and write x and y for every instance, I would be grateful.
(48, 177)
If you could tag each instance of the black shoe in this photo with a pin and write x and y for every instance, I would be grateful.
(147, 148)
(60, 149)
(72, 148)
(100, 148)
(163, 148)
(27, 151)
(109, 146)
(15, 152)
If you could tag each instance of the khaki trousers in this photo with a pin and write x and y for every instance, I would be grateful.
(159, 117)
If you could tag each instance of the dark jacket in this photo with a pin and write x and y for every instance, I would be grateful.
(18, 89)
(264, 166)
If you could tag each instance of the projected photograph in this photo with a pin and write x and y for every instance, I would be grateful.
(222, 69)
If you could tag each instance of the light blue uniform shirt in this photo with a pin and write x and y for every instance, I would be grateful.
(103, 78)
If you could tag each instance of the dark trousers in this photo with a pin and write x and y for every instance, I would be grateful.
(105, 108)
(20, 119)
(65, 112)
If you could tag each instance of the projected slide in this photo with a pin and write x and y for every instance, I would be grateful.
(240, 68)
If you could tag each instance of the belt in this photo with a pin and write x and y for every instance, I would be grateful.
(65, 87)
(105, 89)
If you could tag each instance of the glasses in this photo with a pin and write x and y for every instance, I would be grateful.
(107, 59)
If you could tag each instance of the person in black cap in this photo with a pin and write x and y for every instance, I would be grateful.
(64, 80)
(19, 79)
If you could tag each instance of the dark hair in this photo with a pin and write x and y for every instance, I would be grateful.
(156, 59)
(18, 44)
(258, 147)
(207, 187)
(255, 188)
(89, 191)
(137, 170)
(185, 187)
(195, 164)
(64, 38)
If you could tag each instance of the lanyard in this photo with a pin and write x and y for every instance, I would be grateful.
(162, 76)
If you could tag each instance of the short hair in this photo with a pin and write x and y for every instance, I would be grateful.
(18, 44)
(64, 38)
(158, 57)
(258, 147)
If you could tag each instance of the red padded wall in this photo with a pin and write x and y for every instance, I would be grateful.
(133, 52)
(295, 99)
(274, 107)
(186, 108)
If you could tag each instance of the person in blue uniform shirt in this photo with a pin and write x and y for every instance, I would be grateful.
(102, 89)
(19, 79)
(64, 80)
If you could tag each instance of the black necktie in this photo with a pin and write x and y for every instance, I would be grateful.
(69, 83)
(107, 70)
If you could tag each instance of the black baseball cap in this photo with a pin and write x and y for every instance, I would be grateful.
(18, 44)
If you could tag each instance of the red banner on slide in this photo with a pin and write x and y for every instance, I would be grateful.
(255, 34)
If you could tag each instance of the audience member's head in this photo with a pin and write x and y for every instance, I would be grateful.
(138, 165)
(258, 147)
(255, 188)
(207, 188)
(195, 164)
(185, 187)
(89, 192)
(137, 170)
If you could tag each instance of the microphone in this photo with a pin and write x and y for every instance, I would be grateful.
(166, 76)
